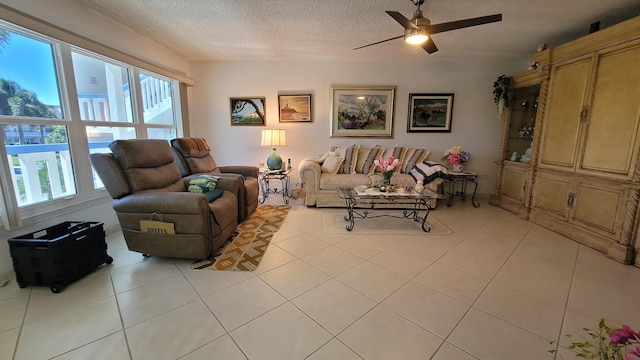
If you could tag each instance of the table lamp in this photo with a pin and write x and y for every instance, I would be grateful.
(273, 138)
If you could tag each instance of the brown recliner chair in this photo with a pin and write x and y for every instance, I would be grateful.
(193, 156)
(142, 178)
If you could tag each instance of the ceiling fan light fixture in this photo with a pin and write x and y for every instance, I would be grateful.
(415, 37)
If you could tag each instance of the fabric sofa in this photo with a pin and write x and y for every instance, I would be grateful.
(355, 166)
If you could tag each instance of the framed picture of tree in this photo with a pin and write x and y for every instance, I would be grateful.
(248, 111)
(362, 111)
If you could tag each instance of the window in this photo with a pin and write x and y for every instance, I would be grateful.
(103, 90)
(43, 128)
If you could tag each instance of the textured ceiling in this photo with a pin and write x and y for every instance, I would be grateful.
(330, 29)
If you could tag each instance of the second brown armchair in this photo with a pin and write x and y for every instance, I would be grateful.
(193, 156)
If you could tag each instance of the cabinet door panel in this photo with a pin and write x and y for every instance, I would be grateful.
(562, 121)
(613, 121)
(550, 194)
(599, 207)
(513, 181)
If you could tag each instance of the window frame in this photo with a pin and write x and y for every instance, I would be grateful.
(77, 130)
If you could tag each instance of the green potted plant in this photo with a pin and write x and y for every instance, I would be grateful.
(502, 93)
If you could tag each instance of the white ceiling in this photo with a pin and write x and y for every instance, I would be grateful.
(203, 30)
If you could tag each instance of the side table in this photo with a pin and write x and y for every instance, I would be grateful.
(282, 175)
(456, 185)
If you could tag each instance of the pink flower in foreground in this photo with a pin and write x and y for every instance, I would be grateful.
(635, 352)
(453, 159)
(621, 336)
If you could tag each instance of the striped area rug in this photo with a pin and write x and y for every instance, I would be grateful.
(244, 250)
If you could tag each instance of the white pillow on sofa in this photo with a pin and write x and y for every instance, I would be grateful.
(331, 164)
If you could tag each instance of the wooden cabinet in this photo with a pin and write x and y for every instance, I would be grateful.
(592, 113)
(521, 138)
(586, 182)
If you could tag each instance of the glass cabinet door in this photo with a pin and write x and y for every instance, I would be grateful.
(522, 123)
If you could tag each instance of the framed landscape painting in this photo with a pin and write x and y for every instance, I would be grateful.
(362, 111)
(248, 111)
(430, 112)
(294, 108)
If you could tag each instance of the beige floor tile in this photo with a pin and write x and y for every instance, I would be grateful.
(382, 334)
(281, 334)
(12, 312)
(597, 272)
(457, 284)
(46, 338)
(450, 352)
(206, 282)
(44, 303)
(174, 333)
(332, 260)
(240, 303)
(428, 308)
(142, 273)
(274, 257)
(302, 245)
(597, 305)
(11, 289)
(334, 350)
(362, 246)
(487, 337)
(372, 280)
(431, 247)
(334, 305)
(532, 314)
(285, 232)
(8, 341)
(400, 261)
(221, 348)
(108, 348)
(471, 263)
(548, 281)
(332, 237)
(294, 278)
(145, 302)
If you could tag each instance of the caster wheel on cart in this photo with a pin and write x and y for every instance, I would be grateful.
(57, 288)
(108, 260)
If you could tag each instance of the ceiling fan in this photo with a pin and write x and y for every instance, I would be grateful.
(418, 30)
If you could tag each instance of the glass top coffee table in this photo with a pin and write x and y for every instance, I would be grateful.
(415, 204)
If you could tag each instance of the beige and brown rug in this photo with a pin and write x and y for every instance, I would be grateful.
(245, 249)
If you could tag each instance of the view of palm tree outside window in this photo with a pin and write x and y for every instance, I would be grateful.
(113, 101)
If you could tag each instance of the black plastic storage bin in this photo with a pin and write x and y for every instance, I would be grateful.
(59, 255)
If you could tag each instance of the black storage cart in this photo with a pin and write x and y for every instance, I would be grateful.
(59, 255)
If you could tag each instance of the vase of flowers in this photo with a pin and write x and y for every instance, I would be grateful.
(456, 157)
(386, 167)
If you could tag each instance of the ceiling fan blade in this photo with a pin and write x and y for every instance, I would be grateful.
(429, 46)
(406, 23)
(453, 25)
(379, 42)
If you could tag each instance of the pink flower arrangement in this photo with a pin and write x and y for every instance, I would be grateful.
(456, 155)
(610, 344)
(387, 166)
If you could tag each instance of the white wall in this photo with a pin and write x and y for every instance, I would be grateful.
(475, 125)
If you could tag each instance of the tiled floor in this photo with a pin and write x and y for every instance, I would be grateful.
(498, 287)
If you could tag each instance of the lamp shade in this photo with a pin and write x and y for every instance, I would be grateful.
(274, 137)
